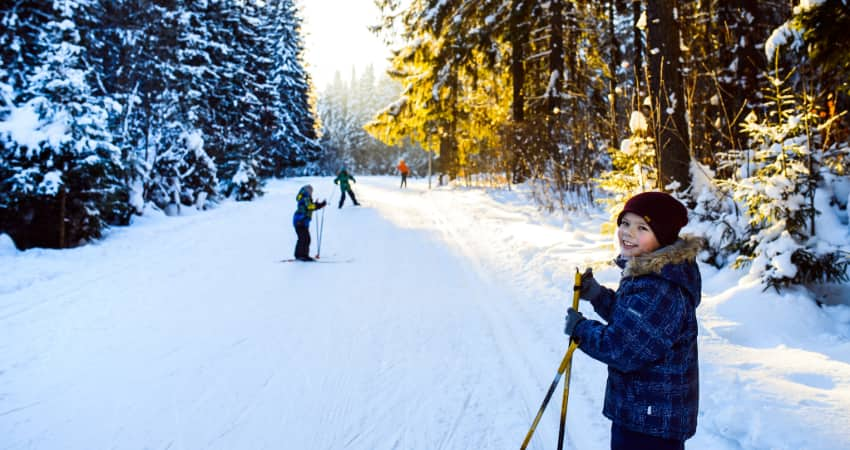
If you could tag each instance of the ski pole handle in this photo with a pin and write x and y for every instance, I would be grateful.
(576, 289)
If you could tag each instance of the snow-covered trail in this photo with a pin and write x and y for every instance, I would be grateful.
(444, 332)
(187, 333)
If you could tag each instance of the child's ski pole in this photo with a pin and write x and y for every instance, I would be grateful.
(319, 229)
(569, 367)
(565, 367)
(320, 225)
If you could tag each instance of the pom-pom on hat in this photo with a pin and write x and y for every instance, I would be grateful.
(663, 213)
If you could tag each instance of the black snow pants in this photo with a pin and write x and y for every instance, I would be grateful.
(302, 247)
(625, 439)
(353, 198)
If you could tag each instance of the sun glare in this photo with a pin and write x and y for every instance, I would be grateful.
(337, 38)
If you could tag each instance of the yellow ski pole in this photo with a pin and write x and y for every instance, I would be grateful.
(569, 366)
(565, 367)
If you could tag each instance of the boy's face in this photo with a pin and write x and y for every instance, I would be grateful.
(635, 236)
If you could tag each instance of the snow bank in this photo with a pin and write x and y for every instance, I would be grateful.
(7, 246)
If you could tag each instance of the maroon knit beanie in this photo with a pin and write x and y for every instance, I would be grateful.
(663, 213)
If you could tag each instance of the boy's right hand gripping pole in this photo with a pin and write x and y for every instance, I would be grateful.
(566, 366)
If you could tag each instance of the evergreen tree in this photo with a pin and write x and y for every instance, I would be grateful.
(65, 182)
(121, 38)
(338, 124)
(21, 46)
(296, 139)
(776, 186)
(345, 111)
(243, 90)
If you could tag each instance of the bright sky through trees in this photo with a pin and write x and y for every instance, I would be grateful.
(336, 38)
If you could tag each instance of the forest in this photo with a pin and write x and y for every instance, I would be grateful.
(344, 108)
(739, 108)
(110, 108)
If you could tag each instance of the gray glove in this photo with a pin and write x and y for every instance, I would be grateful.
(590, 289)
(573, 318)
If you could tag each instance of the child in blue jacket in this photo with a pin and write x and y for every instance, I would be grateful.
(650, 339)
(301, 221)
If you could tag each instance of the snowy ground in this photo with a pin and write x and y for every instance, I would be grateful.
(443, 333)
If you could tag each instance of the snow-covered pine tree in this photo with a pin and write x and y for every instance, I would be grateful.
(245, 184)
(776, 185)
(185, 175)
(67, 178)
(296, 143)
(193, 83)
(265, 115)
(333, 110)
(20, 49)
(363, 94)
(182, 172)
(345, 110)
(21, 46)
(335, 119)
(120, 37)
(237, 93)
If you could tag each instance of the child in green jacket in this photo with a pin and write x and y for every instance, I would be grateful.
(342, 179)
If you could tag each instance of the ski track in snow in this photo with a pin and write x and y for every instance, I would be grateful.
(444, 332)
(184, 334)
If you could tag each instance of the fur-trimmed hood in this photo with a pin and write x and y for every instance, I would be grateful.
(685, 249)
(675, 263)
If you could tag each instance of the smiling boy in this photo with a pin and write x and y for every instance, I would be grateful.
(650, 339)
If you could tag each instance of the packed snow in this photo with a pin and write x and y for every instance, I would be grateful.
(436, 324)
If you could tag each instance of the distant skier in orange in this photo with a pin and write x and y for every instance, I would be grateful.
(402, 167)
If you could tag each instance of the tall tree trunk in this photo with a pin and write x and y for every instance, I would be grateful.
(637, 42)
(556, 54)
(613, 57)
(570, 33)
(556, 76)
(519, 37)
(666, 93)
(452, 144)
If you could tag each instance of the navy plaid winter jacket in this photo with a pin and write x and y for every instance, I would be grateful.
(650, 342)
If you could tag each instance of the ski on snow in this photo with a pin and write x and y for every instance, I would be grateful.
(326, 261)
